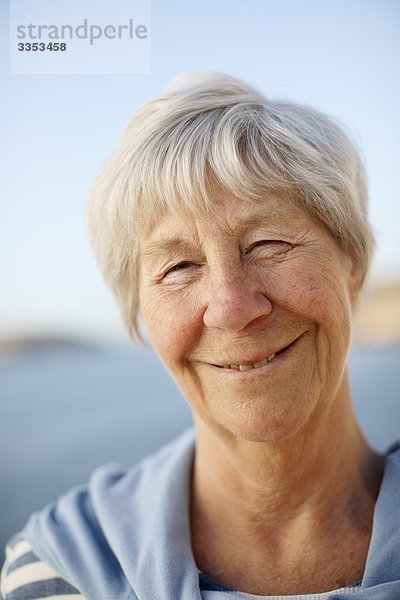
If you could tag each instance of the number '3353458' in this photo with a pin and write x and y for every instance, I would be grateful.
(41, 47)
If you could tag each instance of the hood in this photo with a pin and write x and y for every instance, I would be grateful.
(126, 534)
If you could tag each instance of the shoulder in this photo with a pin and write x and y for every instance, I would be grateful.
(24, 576)
(88, 536)
(113, 489)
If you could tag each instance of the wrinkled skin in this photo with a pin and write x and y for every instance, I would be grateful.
(236, 287)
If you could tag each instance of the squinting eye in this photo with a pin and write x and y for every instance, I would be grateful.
(178, 267)
(270, 247)
(262, 243)
(279, 244)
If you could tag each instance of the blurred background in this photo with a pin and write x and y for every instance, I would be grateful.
(73, 393)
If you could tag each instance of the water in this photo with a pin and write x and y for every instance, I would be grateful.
(67, 409)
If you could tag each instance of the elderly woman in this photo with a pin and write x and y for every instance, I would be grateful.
(236, 228)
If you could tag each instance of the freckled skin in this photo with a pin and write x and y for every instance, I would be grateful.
(283, 483)
(236, 293)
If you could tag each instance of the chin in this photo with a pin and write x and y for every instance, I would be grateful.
(259, 428)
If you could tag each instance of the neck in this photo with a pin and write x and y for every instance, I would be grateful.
(316, 485)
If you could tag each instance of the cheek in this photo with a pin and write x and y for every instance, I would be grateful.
(315, 291)
(173, 323)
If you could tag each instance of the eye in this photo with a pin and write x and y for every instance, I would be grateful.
(269, 249)
(262, 243)
(179, 266)
(182, 266)
(277, 245)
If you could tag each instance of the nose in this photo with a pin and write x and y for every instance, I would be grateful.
(234, 301)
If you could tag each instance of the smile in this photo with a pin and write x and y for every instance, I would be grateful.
(251, 366)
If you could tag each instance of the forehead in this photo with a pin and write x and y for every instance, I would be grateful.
(229, 215)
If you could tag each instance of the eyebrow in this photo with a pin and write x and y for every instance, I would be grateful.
(267, 218)
(175, 245)
(165, 245)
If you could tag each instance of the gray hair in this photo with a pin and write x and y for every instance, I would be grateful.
(214, 132)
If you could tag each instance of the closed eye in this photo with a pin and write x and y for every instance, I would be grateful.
(268, 250)
(277, 245)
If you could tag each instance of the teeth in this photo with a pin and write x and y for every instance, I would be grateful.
(260, 363)
(250, 366)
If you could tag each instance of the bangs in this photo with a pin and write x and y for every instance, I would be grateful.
(184, 156)
(220, 136)
(183, 164)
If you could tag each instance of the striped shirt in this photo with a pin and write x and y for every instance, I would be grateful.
(26, 577)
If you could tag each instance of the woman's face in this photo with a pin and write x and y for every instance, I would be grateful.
(249, 310)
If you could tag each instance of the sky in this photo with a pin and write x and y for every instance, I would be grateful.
(340, 57)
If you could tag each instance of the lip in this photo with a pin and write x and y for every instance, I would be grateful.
(280, 354)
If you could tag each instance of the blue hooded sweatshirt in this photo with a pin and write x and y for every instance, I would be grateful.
(126, 535)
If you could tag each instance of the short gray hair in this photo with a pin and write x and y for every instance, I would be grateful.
(214, 132)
